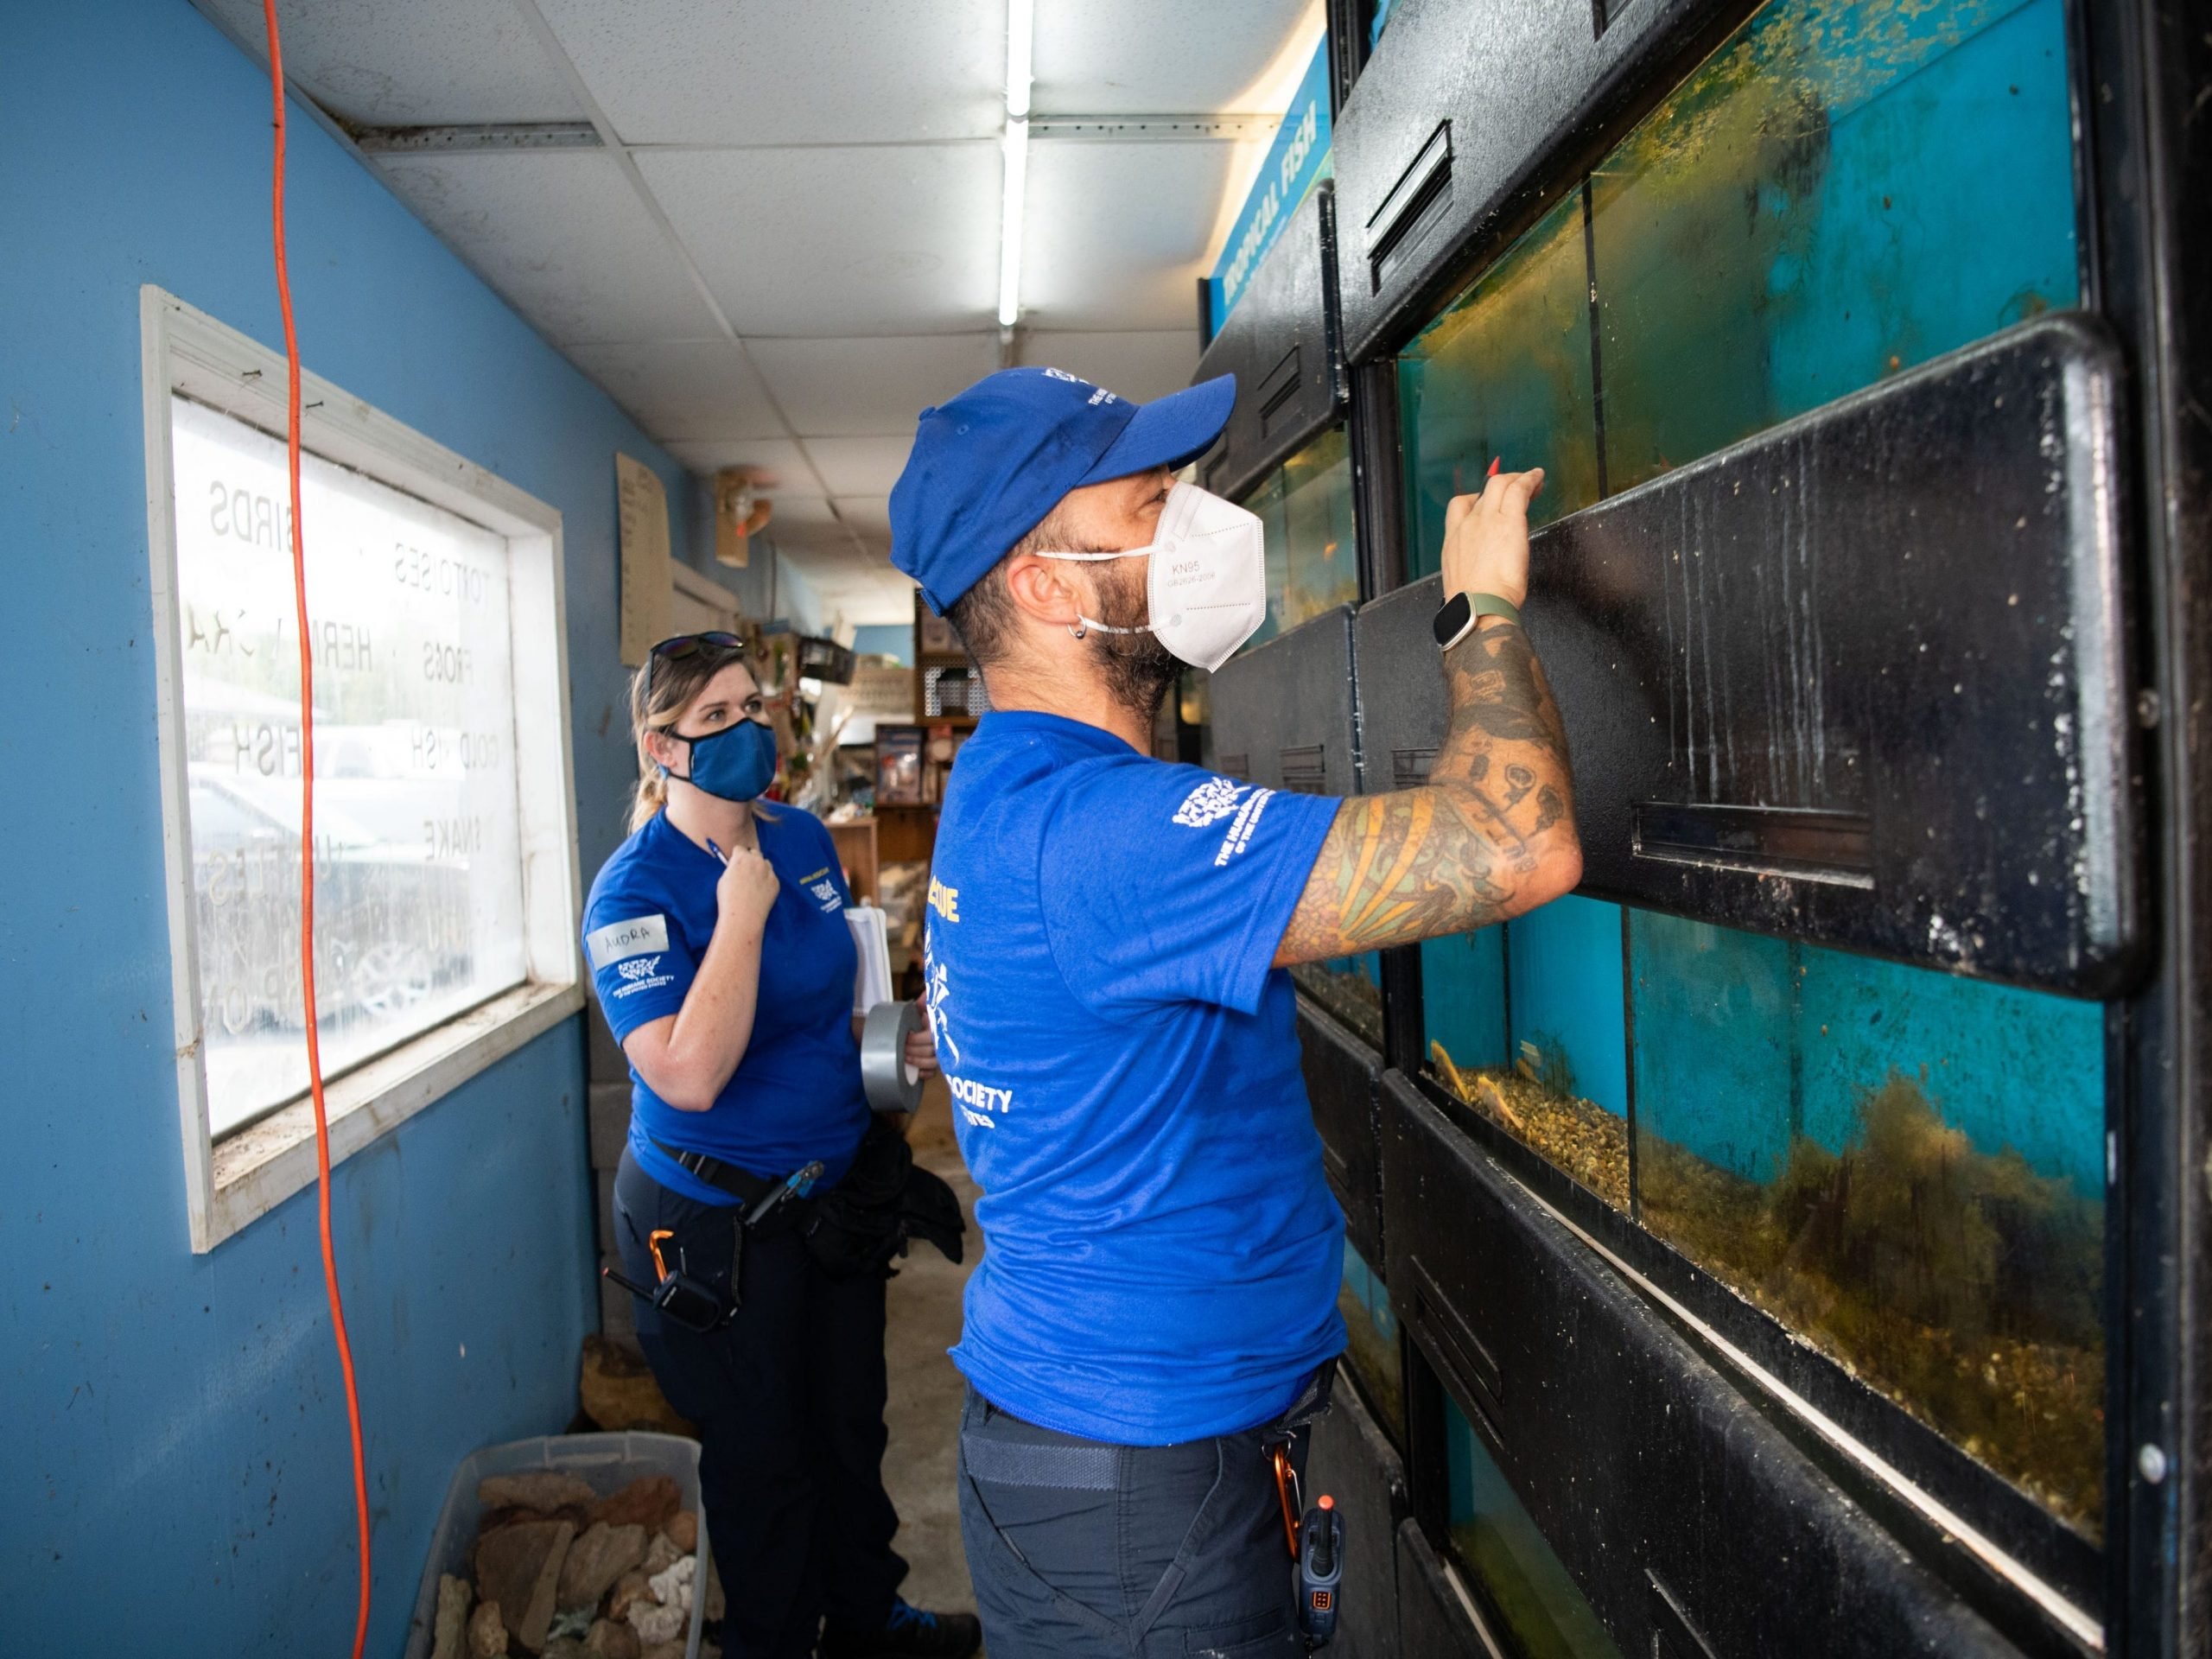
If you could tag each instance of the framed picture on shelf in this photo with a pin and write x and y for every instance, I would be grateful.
(899, 766)
(933, 635)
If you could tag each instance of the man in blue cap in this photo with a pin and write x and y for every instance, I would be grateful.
(1156, 1308)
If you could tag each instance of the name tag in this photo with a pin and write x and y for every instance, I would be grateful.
(616, 940)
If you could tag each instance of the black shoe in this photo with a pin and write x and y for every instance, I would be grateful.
(908, 1631)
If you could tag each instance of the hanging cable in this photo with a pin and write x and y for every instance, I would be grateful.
(307, 834)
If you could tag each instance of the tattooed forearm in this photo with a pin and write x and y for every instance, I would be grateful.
(1490, 836)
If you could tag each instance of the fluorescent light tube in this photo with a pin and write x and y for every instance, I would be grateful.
(1017, 184)
(1020, 15)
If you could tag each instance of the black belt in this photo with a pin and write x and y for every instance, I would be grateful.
(742, 1185)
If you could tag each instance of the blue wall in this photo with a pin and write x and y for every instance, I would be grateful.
(887, 639)
(174, 1466)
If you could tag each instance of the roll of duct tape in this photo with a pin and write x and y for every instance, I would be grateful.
(890, 1084)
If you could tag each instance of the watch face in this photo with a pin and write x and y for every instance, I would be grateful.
(1453, 618)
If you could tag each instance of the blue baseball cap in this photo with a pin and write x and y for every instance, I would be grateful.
(986, 467)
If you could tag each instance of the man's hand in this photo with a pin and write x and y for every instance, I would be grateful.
(1491, 834)
(1486, 537)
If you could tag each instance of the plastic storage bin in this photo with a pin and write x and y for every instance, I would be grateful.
(605, 1462)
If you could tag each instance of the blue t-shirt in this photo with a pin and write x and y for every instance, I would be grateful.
(796, 1095)
(1164, 1253)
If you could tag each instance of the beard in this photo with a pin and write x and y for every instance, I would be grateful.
(1139, 670)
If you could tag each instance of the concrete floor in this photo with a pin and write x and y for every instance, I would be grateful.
(924, 1415)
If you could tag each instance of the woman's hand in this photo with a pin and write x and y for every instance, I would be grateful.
(746, 891)
(921, 1047)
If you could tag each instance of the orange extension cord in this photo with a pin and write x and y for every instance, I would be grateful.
(306, 835)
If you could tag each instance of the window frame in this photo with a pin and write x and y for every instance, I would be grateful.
(232, 1180)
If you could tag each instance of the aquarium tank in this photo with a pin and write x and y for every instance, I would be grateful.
(1312, 546)
(1371, 1345)
(1902, 1166)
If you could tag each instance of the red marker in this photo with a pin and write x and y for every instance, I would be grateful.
(1494, 460)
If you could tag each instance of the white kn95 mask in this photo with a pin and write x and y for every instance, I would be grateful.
(1207, 590)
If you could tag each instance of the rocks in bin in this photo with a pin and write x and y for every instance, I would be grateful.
(652, 1502)
(450, 1637)
(544, 1490)
(600, 1555)
(668, 1614)
(634, 1586)
(520, 1567)
(564, 1574)
(608, 1640)
(487, 1632)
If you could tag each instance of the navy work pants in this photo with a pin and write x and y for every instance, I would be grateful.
(1080, 1549)
(788, 1399)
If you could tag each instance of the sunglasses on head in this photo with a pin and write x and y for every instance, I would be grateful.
(677, 646)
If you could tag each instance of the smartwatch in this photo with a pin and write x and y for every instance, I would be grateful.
(1457, 616)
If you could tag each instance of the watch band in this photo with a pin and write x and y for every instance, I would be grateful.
(1462, 612)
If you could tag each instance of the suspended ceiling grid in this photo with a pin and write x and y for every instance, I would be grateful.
(769, 228)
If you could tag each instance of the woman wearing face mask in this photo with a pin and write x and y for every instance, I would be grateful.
(718, 947)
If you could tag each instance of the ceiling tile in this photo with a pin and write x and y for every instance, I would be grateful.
(778, 456)
(798, 513)
(563, 235)
(1118, 234)
(870, 388)
(696, 390)
(1142, 367)
(873, 239)
(859, 466)
(407, 63)
(1164, 55)
(715, 72)
(870, 518)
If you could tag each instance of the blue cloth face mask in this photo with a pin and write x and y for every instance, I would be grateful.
(733, 764)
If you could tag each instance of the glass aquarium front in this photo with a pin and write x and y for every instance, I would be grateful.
(1371, 1345)
(1526, 1023)
(1852, 189)
(1838, 192)
(1312, 546)
(1350, 988)
(1521, 1581)
(1905, 1167)
(1503, 372)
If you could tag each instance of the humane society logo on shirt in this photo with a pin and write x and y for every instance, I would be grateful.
(633, 949)
(1216, 799)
